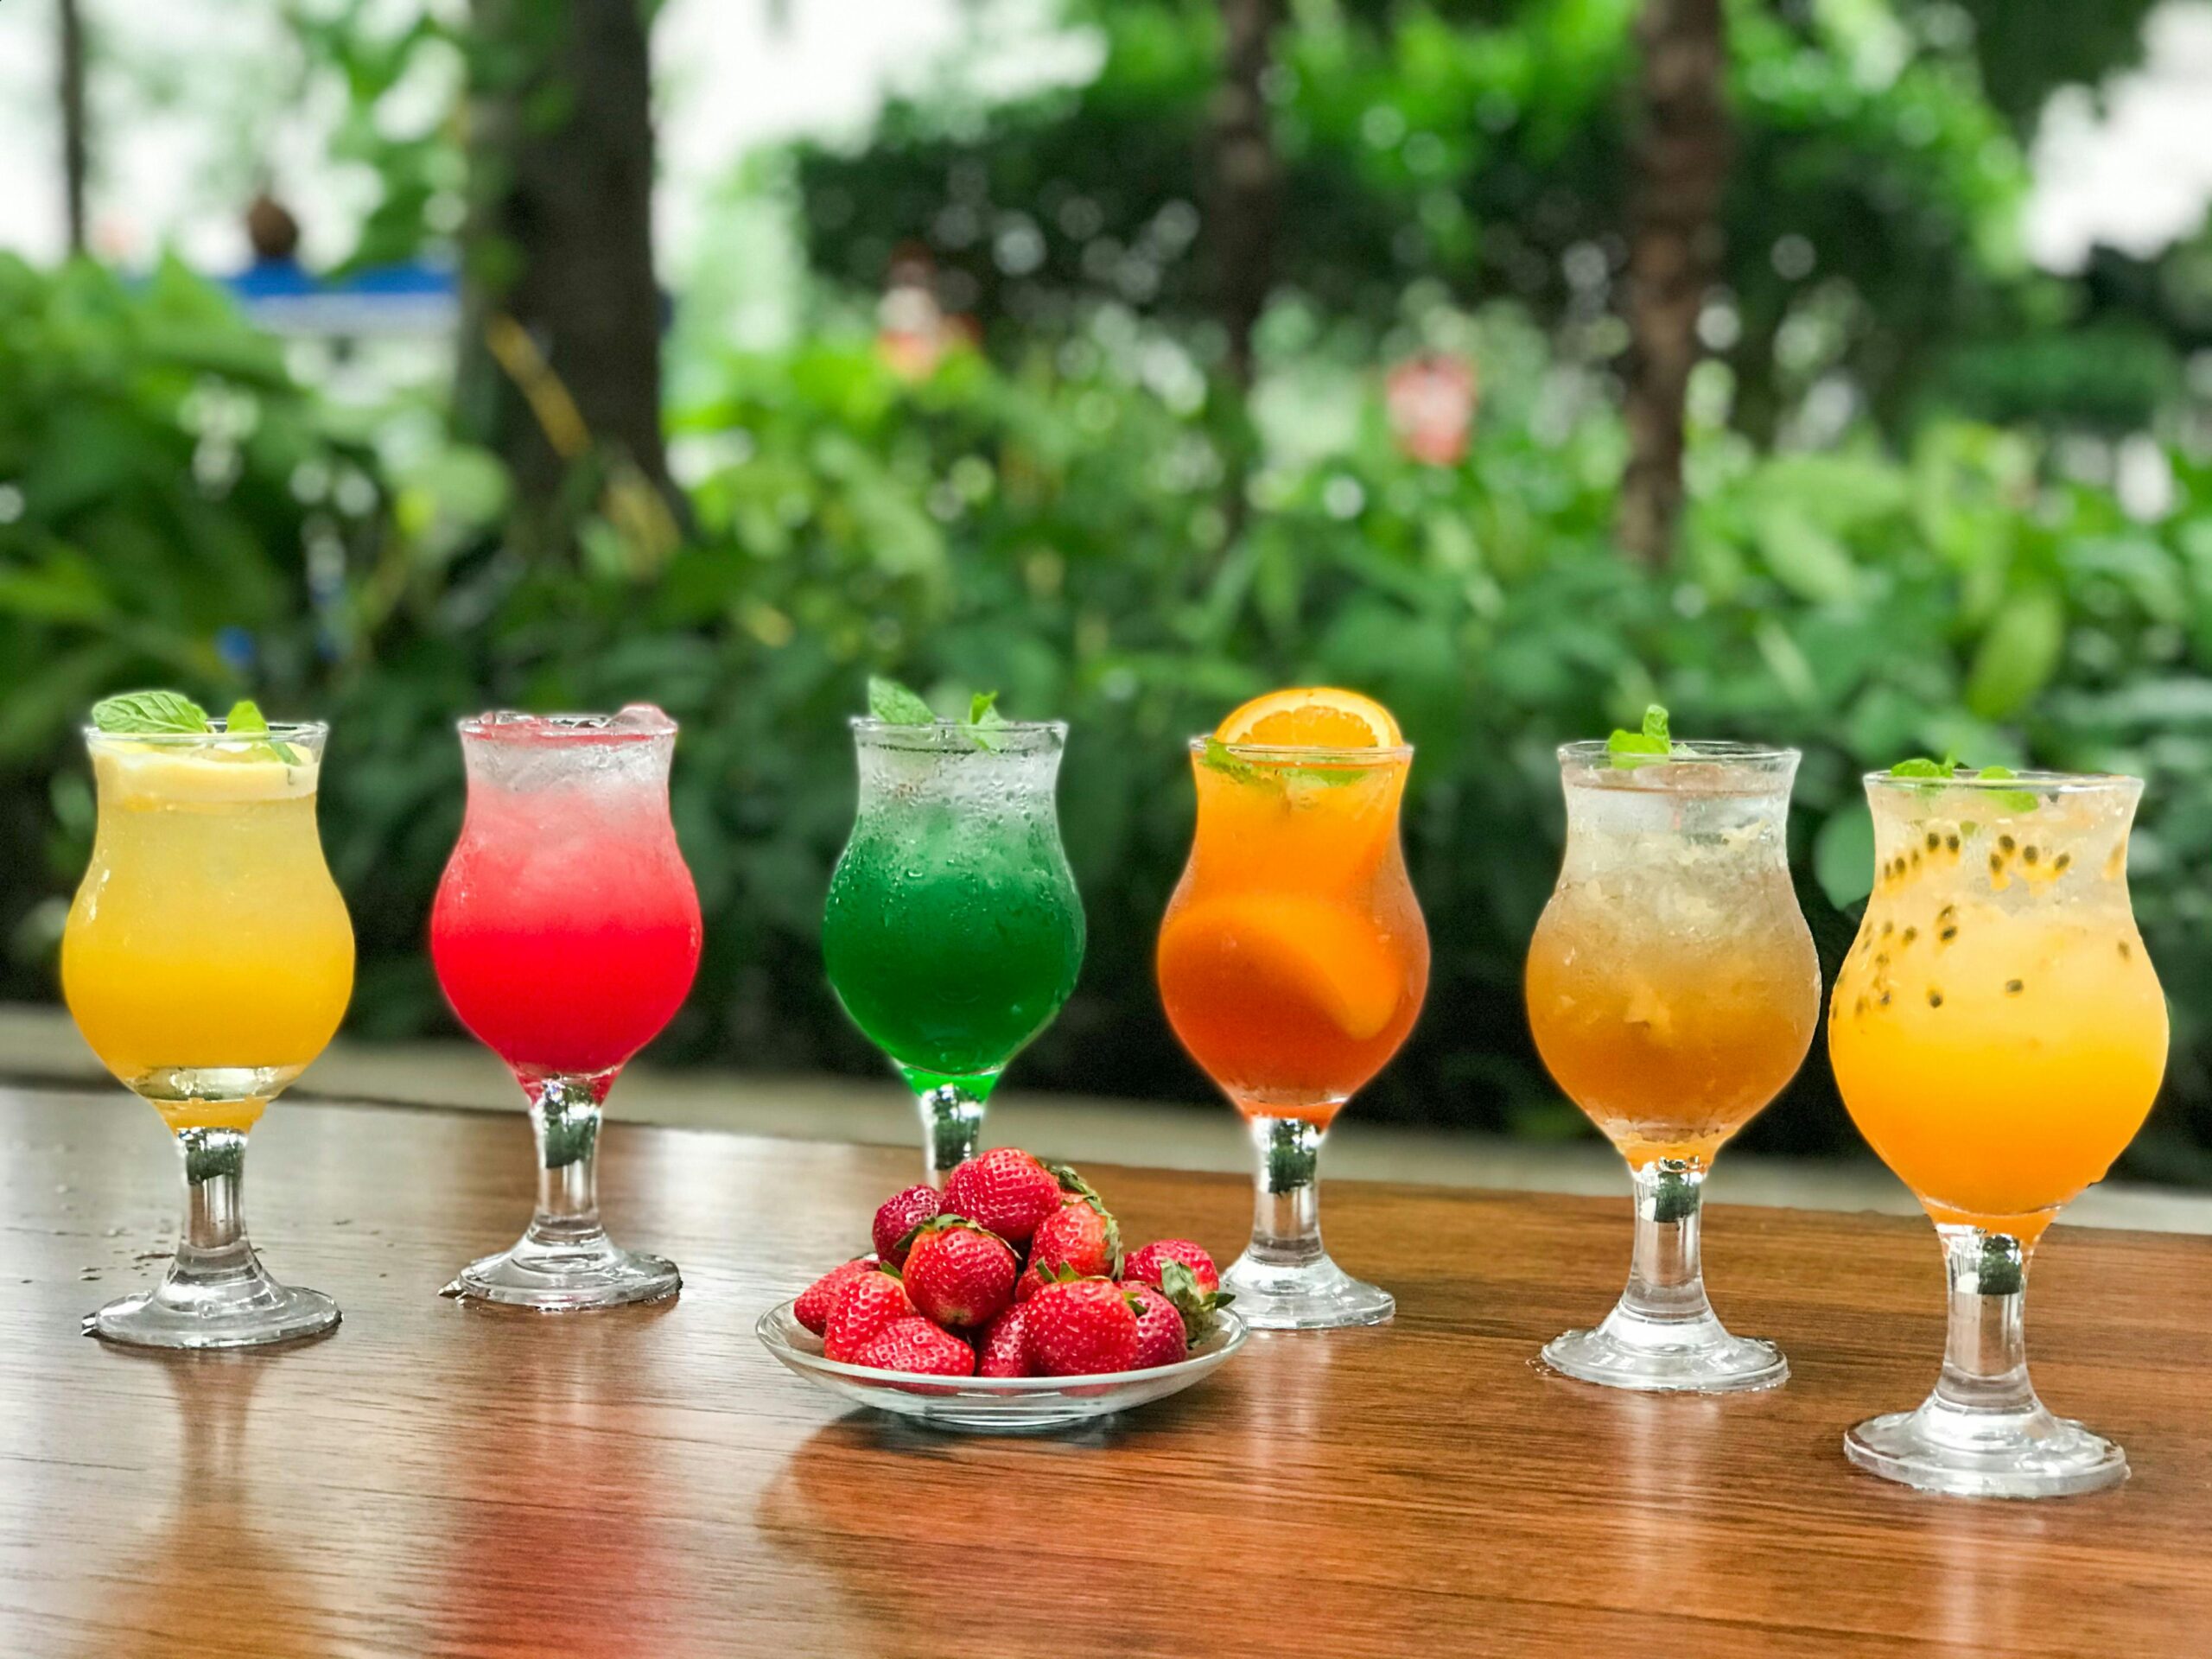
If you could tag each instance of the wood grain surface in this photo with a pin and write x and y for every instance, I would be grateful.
(437, 1479)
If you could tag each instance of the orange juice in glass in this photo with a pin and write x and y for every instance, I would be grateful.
(1673, 990)
(1998, 1036)
(1292, 963)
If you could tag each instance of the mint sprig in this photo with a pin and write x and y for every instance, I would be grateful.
(1219, 757)
(150, 712)
(983, 717)
(1631, 749)
(246, 718)
(1938, 773)
(894, 705)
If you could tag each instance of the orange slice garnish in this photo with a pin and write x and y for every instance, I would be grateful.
(1312, 716)
(1326, 957)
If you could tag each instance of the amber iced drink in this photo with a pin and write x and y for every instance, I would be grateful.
(1673, 991)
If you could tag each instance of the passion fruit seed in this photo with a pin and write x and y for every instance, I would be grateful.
(1951, 841)
(1934, 841)
(2006, 843)
(2028, 855)
(1910, 934)
(1997, 864)
(2014, 987)
(2126, 954)
(1934, 999)
(2061, 861)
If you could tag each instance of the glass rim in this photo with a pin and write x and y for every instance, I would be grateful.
(281, 731)
(1711, 750)
(514, 726)
(1304, 754)
(2038, 782)
(939, 733)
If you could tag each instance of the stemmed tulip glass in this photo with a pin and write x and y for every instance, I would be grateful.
(1673, 990)
(208, 960)
(565, 934)
(953, 932)
(1293, 961)
(1998, 1036)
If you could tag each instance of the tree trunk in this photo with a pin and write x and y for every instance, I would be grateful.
(1246, 177)
(560, 353)
(1680, 162)
(75, 148)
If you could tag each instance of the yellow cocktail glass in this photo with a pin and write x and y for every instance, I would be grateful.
(1998, 1036)
(208, 960)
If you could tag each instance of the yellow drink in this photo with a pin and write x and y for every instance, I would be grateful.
(1997, 1030)
(208, 958)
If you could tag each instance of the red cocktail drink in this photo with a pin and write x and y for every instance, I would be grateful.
(566, 934)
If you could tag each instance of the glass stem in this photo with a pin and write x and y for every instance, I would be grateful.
(1665, 1281)
(212, 1244)
(1286, 1192)
(952, 1128)
(565, 1115)
(1986, 1350)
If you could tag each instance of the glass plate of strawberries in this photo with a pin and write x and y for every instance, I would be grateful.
(1006, 1304)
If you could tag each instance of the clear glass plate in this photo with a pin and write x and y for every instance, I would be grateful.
(994, 1405)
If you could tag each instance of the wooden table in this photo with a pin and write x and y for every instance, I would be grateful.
(441, 1479)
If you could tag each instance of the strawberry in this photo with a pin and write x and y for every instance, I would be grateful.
(812, 1308)
(1003, 1349)
(901, 1213)
(1036, 1276)
(1004, 1190)
(1082, 1328)
(1143, 1265)
(868, 1303)
(1190, 1295)
(959, 1275)
(1161, 1340)
(914, 1345)
(1078, 1235)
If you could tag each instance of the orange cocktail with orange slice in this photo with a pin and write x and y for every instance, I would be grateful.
(1293, 961)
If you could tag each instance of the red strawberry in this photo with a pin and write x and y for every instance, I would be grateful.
(915, 1344)
(1078, 1235)
(959, 1275)
(901, 1213)
(1004, 1190)
(1082, 1328)
(1161, 1340)
(812, 1308)
(1143, 1265)
(1036, 1276)
(1003, 1349)
(868, 1303)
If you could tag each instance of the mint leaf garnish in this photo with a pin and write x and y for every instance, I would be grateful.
(1631, 749)
(1222, 758)
(983, 716)
(894, 705)
(2013, 800)
(149, 711)
(246, 719)
(1921, 766)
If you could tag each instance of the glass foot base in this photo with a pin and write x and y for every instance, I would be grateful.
(558, 1279)
(1312, 1296)
(1683, 1356)
(1999, 1454)
(242, 1314)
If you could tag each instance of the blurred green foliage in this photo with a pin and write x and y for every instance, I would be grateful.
(1054, 527)
(1482, 145)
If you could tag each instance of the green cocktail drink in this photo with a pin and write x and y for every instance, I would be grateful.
(953, 932)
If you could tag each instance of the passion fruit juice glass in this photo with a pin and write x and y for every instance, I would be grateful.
(208, 960)
(1998, 1036)
(953, 932)
(1673, 990)
(1293, 961)
(565, 934)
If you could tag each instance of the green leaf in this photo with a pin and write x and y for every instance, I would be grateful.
(149, 711)
(1631, 749)
(2012, 800)
(246, 718)
(1219, 756)
(1843, 855)
(894, 705)
(983, 716)
(1921, 766)
(2018, 655)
